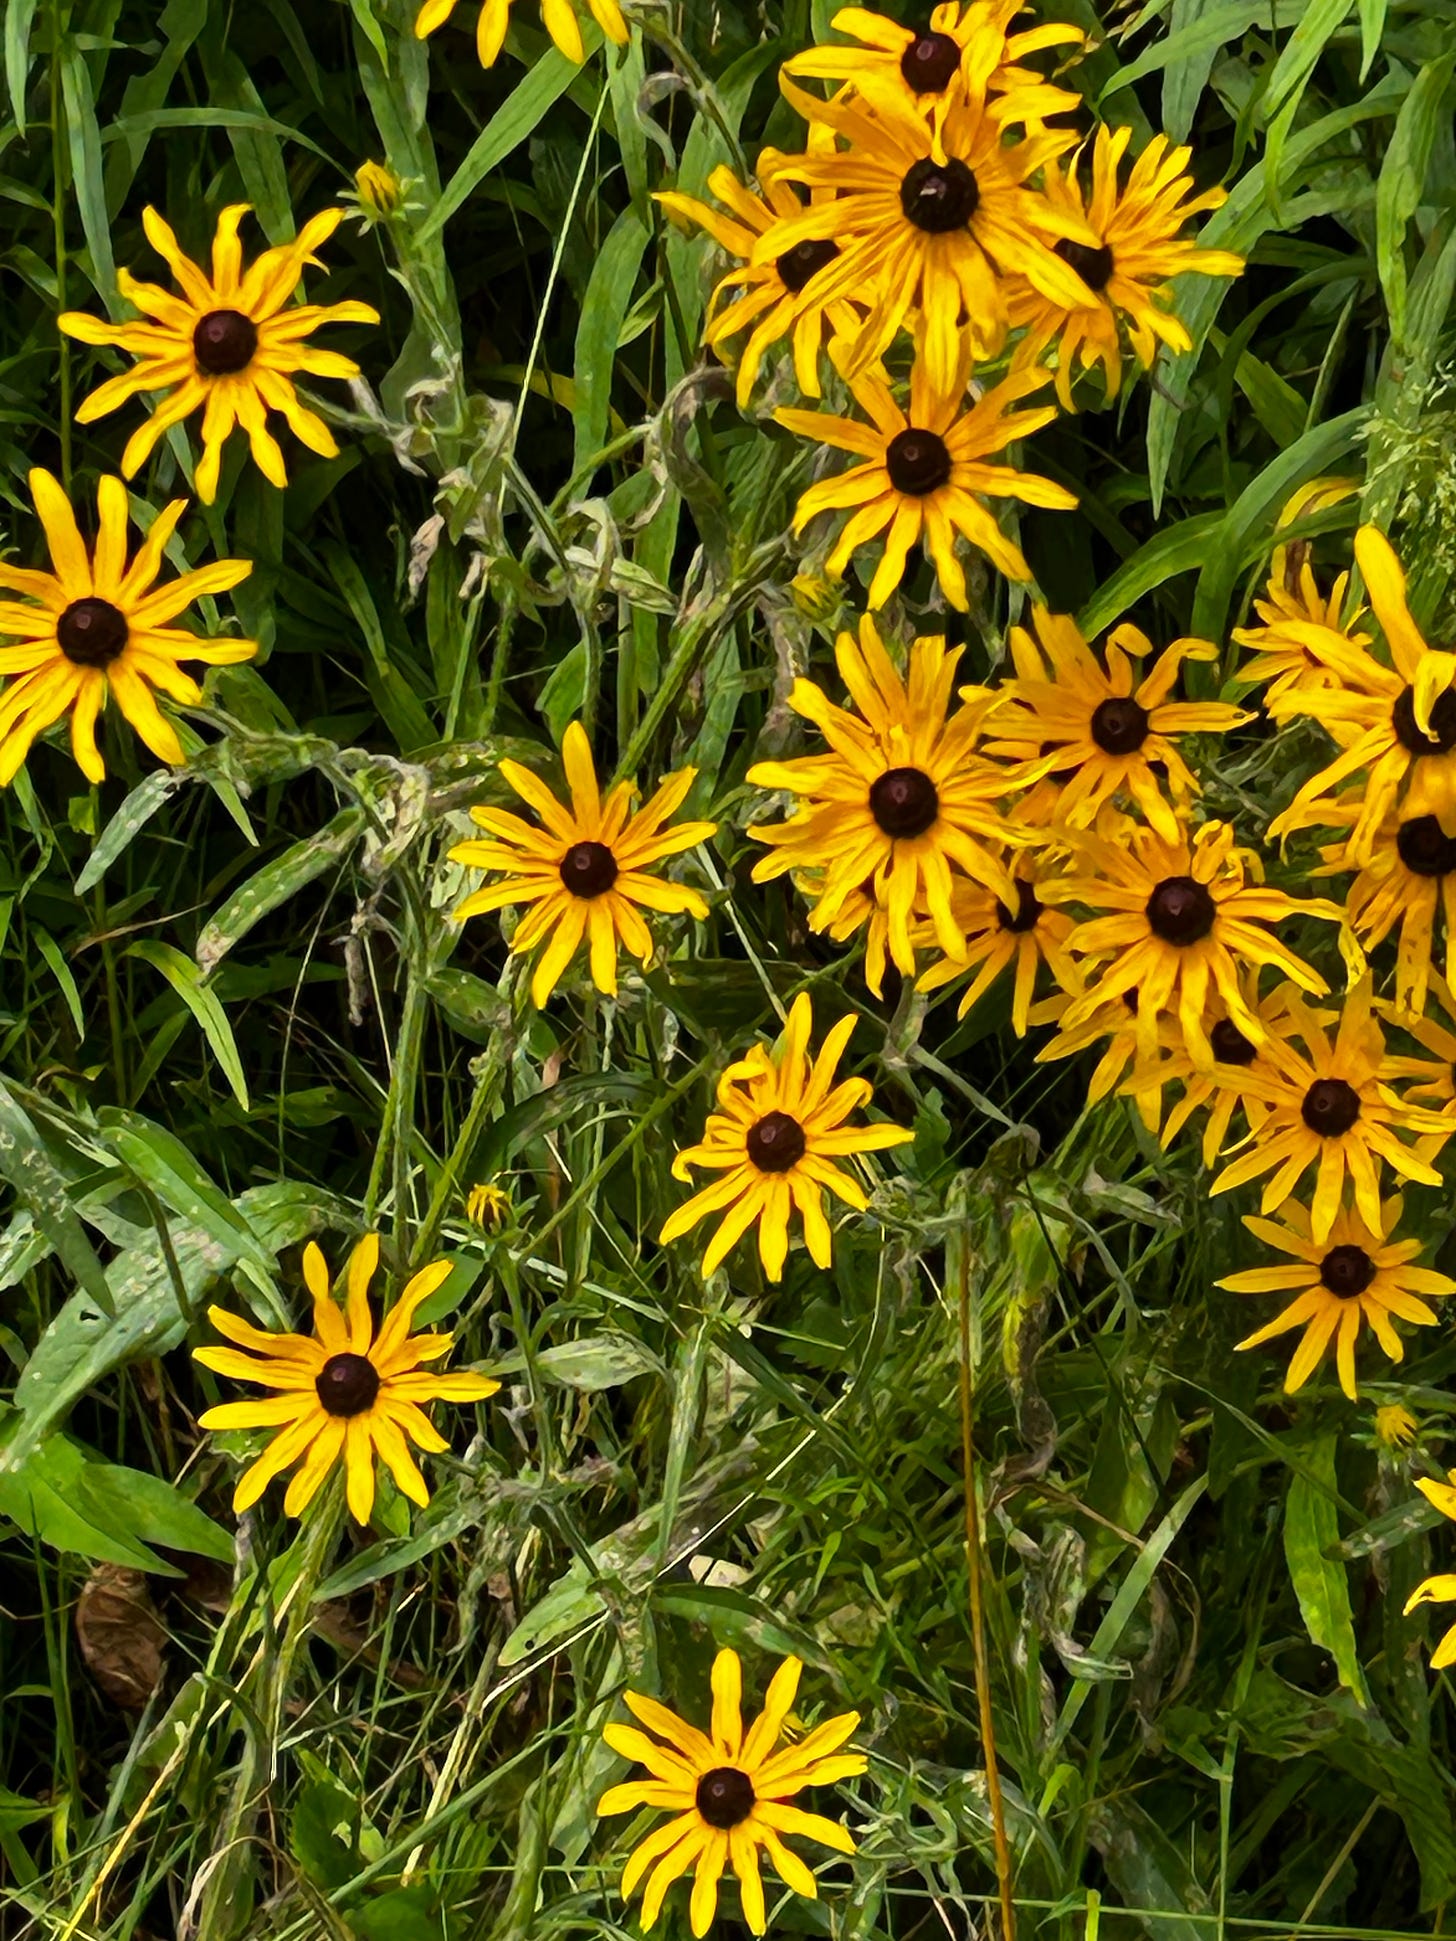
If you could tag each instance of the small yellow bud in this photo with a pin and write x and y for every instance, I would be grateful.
(1395, 1426)
(816, 599)
(380, 191)
(488, 1207)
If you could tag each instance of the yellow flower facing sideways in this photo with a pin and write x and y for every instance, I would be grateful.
(1394, 725)
(922, 475)
(1127, 267)
(1440, 1589)
(1306, 639)
(729, 1792)
(1357, 1275)
(97, 629)
(585, 869)
(899, 803)
(780, 1128)
(228, 346)
(1103, 726)
(560, 18)
(347, 1393)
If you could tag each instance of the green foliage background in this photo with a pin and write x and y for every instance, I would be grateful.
(233, 1014)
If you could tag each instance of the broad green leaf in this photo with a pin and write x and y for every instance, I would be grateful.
(604, 307)
(1211, 30)
(507, 128)
(275, 883)
(164, 1164)
(1400, 189)
(88, 180)
(1170, 551)
(567, 1606)
(186, 980)
(19, 15)
(134, 814)
(61, 971)
(1311, 1534)
(26, 1162)
(597, 1362)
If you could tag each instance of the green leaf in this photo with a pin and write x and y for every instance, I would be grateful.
(603, 311)
(1170, 551)
(19, 16)
(164, 1164)
(134, 814)
(1311, 1534)
(60, 970)
(517, 118)
(275, 883)
(1399, 191)
(186, 980)
(596, 1362)
(43, 1494)
(89, 181)
(568, 1605)
(26, 1162)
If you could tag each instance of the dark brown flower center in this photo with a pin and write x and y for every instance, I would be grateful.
(1443, 723)
(92, 633)
(1119, 726)
(798, 264)
(939, 196)
(223, 342)
(1028, 909)
(1425, 848)
(725, 1797)
(588, 869)
(903, 802)
(930, 62)
(1094, 266)
(347, 1384)
(1331, 1106)
(1230, 1046)
(1347, 1271)
(918, 461)
(1181, 911)
(776, 1142)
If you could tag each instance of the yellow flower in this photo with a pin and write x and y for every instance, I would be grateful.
(98, 629)
(1232, 1081)
(346, 1392)
(1178, 919)
(965, 47)
(1330, 1108)
(1395, 1426)
(1306, 640)
(899, 802)
(922, 476)
(765, 295)
(1355, 1273)
(587, 870)
(380, 191)
(781, 1127)
(1392, 725)
(226, 346)
(1124, 247)
(559, 17)
(1116, 1020)
(1104, 728)
(1408, 880)
(488, 1207)
(1023, 934)
(729, 1791)
(1440, 1589)
(1436, 1075)
(928, 217)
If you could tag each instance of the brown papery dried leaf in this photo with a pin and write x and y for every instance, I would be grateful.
(121, 1635)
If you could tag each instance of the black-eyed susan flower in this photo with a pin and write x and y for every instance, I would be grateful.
(488, 1207)
(1222, 1088)
(965, 44)
(228, 346)
(922, 475)
(586, 869)
(1331, 1109)
(1390, 724)
(1440, 1589)
(1113, 1024)
(560, 18)
(900, 801)
(1395, 1426)
(1408, 882)
(762, 298)
(97, 629)
(346, 1393)
(729, 1792)
(1125, 267)
(1019, 936)
(781, 1126)
(1305, 639)
(378, 191)
(929, 217)
(1176, 921)
(1434, 1030)
(1108, 727)
(1356, 1273)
